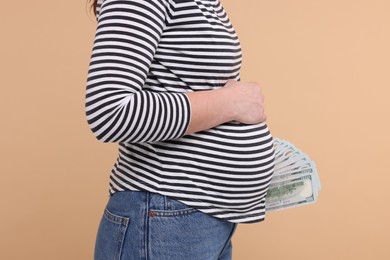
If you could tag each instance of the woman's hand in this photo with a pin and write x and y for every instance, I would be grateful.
(236, 101)
(247, 100)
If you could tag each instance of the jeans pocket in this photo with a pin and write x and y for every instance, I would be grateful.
(110, 236)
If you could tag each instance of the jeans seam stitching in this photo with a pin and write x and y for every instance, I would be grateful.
(171, 213)
(229, 239)
(115, 218)
(146, 225)
(124, 229)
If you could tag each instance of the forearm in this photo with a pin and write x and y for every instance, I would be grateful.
(209, 109)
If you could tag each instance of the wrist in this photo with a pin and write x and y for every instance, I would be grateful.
(229, 103)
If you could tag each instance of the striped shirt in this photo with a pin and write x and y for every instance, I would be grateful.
(146, 55)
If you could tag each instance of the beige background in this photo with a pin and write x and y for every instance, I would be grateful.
(325, 69)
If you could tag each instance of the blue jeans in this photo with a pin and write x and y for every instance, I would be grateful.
(139, 225)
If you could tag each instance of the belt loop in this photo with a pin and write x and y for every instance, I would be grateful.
(165, 203)
(147, 201)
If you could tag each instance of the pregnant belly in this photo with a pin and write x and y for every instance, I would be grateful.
(233, 150)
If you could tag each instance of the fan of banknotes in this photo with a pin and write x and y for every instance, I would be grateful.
(295, 181)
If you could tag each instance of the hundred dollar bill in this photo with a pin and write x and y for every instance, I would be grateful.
(290, 193)
(309, 168)
(305, 169)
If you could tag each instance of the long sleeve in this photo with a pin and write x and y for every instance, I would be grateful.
(118, 107)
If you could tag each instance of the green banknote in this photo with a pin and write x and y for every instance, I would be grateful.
(295, 181)
(290, 193)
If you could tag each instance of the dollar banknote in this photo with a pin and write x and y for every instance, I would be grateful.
(295, 181)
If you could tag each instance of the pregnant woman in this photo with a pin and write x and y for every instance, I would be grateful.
(195, 156)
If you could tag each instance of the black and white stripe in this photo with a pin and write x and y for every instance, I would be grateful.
(147, 54)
